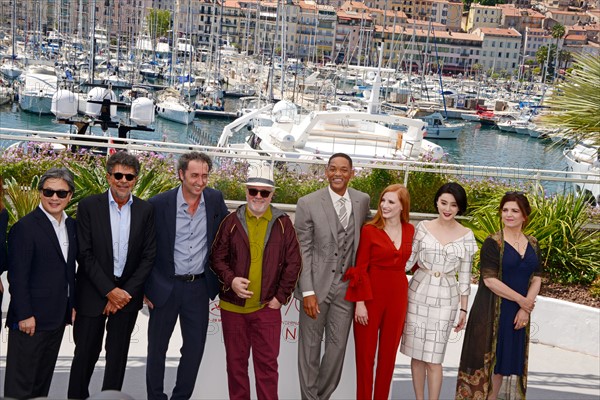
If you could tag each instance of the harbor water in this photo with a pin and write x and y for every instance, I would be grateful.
(476, 145)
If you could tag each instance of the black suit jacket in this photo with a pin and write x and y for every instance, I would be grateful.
(41, 282)
(3, 227)
(95, 275)
(160, 283)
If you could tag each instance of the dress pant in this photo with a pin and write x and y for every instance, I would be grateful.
(88, 334)
(387, 313)
(30, 362)
(319, 377)
(260, 332)
(188, 301)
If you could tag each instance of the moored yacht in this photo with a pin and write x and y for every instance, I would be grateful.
(39, 84)
(176, 110)
(584, 157)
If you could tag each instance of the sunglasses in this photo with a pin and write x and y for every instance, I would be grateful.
(62, 194)
(118, 176)
(263, 193)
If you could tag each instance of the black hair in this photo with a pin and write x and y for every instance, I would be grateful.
(455, 190)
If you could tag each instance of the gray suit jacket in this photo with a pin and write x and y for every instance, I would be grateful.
(316, 227)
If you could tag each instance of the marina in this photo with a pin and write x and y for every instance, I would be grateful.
(188, 87)
(476, 145)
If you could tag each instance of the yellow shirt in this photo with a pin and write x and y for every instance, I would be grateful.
(257, 232)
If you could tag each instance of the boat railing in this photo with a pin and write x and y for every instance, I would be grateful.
(304, 162)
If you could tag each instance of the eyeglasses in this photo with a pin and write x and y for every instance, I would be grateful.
(118, 176)
(62, 194)
(263, 193)
(515, 193)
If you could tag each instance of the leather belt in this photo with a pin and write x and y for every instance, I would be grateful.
(188, 277)
(436, 274)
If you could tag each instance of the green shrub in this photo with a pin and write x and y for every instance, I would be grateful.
(569, 252)
(21, 199)
(422, 187)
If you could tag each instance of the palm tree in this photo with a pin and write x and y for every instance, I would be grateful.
(558, 32)
(575, 103)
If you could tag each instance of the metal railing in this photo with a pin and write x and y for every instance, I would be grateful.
(302, 161)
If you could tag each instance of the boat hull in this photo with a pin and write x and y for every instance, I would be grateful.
(576, 163)
(185, 117)
(35, 104)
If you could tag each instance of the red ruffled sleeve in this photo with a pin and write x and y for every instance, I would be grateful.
(359, 288)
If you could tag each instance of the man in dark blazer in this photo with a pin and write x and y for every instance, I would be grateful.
(329, 234)
(41, 276)
(116, 252)
(181, 281)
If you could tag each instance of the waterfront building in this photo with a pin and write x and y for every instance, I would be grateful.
(568, 18)
(594, 15)
(456, 51)
(483, 17)
(388, 5)
(580, 40)
(448, 13)
(124, 19)
(534, 39)
(520, 18)
(351, 27)
(500, 49)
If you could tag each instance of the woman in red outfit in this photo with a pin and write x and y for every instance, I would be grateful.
(379, 287)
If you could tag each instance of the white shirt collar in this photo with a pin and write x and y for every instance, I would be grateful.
(336, 197)
(53, 220)
(111, 199)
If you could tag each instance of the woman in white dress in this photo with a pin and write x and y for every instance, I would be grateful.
(442, 248)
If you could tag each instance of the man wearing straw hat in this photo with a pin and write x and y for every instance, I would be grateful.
(256, 256)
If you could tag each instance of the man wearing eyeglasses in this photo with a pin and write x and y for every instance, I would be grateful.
(41, 274)
(256, 256)
(116, 253)
(181, 281)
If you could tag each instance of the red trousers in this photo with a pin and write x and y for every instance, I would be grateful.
(260, 332)
(386, 312)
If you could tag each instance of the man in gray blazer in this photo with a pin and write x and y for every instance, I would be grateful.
(328, 224)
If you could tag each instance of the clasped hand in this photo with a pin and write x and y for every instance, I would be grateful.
(240, 287)
(27, 326)
(526, 304)
(117, 299)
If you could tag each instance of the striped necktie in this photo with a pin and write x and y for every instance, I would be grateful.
(343, 212)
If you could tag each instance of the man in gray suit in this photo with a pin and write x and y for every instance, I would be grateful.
(328, 224)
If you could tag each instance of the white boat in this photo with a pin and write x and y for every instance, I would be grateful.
(149, 71)
(584, 157)
(470, 117)
(176, 110)
(533, 130)
(10, 70)
(184, 46)
(438, 128)
(506, 124)
(522, 127)
(36, 91)
(363, 134)
(240, 90)
(322, 133)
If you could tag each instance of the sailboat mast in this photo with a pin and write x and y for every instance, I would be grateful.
(174, 48)
(93, 42)
(283, 48)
